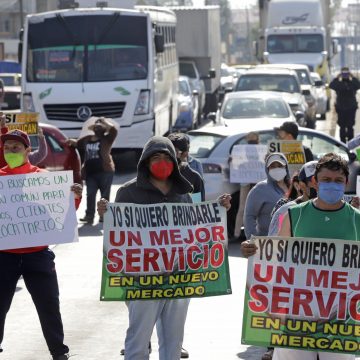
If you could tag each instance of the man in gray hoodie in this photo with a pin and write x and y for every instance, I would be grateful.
(264, 195)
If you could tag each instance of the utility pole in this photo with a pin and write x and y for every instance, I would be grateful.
(21, 13)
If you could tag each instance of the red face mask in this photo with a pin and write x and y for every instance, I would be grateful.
(162, 169)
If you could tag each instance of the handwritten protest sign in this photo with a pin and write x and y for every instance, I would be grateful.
(303, 293)
(37, 209)
(292, 149)
(165, 251)
(248, 164)
(27, 122)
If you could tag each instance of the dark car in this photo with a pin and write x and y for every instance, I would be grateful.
(60, 156)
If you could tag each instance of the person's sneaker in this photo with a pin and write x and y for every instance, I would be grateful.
(87, 219)
(184, 353)
(61, 357)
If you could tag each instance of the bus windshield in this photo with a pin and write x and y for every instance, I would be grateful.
(295, 43)
(88, 49)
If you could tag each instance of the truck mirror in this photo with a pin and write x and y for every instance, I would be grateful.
(212, 73)
(255, 48)
(334, 44)
(20, 48)
(319, 83)
(159, 43)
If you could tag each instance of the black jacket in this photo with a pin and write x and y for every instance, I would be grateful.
(345, 92)
(141, 191)
(194, 179)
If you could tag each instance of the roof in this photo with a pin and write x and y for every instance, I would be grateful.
(269, 71)
(284, 66)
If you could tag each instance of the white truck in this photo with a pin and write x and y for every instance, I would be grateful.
(198, 45)
(298, 32)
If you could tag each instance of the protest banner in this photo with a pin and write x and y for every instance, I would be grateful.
(165, 251)
(27, 122)
(303, 293)
(292, 149)
(37, 209)
(247, 165)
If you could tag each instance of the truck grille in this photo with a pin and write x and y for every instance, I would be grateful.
(69, 112)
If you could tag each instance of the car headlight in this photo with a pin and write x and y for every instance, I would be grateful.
(143, 103)
(28, 103)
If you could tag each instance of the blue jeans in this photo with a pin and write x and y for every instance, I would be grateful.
(94, 182)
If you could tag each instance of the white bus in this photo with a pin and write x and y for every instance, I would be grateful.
(117, 63)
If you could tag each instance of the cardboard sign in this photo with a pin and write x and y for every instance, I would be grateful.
(27, 122)
(165, 251)
(248, 164)
(292, 149)
(37, 209)
(303, 293)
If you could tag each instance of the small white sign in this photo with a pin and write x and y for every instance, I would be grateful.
(248, 164)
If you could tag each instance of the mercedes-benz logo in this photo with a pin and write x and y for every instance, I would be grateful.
(83, 112)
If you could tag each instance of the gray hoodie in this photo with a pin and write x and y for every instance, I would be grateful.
(260, 202)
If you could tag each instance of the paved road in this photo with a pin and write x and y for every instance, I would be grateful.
(96, 330)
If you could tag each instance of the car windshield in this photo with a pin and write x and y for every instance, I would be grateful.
(10, 80)
(268, 82)
(187, 69)
(87, 48)
(303, 77)
(295, 43)
(201, 145)
(254, 108)
(184, 88)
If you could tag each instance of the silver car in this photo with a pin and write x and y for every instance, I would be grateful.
(261, 108)
(213, 146)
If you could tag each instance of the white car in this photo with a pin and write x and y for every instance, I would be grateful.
(283, 81)
(321, 96)
(252, 110)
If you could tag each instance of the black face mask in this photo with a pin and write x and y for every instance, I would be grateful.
(312, 193)
(252, 142)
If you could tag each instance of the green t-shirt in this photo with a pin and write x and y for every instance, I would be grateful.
(308, 221)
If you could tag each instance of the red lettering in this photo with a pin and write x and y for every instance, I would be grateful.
(175, 237)
(132, 256)
(277, 299)
(115, 256)
(282, 273)
(325, 310)
(121, 241)
(169, 260)
(159, 239)
(150, 257)
(312, 279)
(342, 306)
(218, 233)
(202, 235)
(217, 255)
(302, 299)
(268, 275)
(353, 307)
(337, 278)
(191, 251)
(260, 302)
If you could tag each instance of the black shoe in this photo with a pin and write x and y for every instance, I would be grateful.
(184, 353)
(122, 351)
(61, 357)
(1, 349)
(87, 219)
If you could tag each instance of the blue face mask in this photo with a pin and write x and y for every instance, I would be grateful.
(331, 193)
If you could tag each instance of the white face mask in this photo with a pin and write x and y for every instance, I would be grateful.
(277, 174)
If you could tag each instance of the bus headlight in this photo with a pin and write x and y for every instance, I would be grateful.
(143, 103)
(28, 104)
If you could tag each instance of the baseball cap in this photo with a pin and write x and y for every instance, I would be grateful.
(307, 171)
(290, 128)
(275, 157)
(180, 141)
(16, 135)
